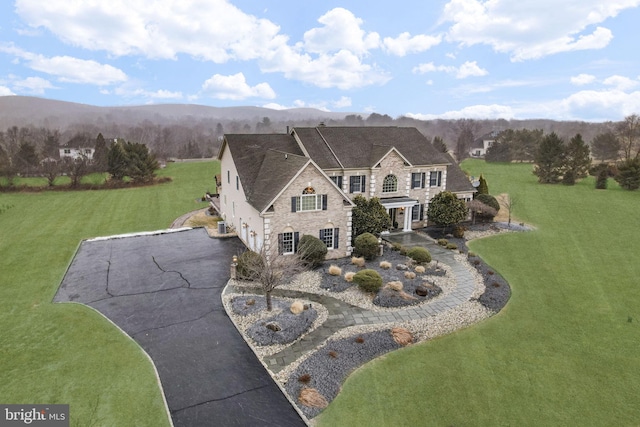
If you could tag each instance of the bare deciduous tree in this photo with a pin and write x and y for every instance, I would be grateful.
(269, 269)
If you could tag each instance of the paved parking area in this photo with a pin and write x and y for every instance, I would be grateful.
(164, 291)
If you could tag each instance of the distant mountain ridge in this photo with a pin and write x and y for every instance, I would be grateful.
(33, 111)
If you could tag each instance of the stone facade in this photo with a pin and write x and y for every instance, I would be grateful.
(337, 215)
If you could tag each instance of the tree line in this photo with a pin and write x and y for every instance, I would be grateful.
(616, 152)
(118, 158)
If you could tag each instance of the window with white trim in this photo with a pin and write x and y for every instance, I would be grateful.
(357, 184)
(418, 179)
(435, 179)
(337, 180)
(288, 246)
(417, 213)
(330, 237)
(390, 184)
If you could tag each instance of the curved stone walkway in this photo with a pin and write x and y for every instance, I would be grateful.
(342, 315)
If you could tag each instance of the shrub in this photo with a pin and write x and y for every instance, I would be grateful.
(312, 250)
(451, 246)
(368, 280)
(409, 275)
(333, 354)
(419, 255)
(334, 270)
(471, 254)
(492, 202)
(396, 246)
(247, 258)
(458, 231)
(304, 378)
(366, 245)
(443, 242)
(402, 336)
(312, 398)
(349, 276)
(419, 269)
(359, 262)
(359, 340)
(385, 265)
(403, 250)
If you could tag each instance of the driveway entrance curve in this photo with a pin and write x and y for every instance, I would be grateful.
(164, 291)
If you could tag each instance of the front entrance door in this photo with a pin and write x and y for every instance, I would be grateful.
(397, 218)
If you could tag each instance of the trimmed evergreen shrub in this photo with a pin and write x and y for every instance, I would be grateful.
(312, 250)
(368, 280)
(488, 200)
(443, 242)
(458, 231)
(451, 246)
(366, 245)
(419, 255)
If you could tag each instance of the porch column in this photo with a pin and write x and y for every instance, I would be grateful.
(407, 218)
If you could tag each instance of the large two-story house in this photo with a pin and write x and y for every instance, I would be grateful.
(274, 188)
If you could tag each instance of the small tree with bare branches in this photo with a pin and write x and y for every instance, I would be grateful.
(269, 269)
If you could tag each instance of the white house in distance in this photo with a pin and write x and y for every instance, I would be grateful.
(76, 152)
(481, 145)
(274, 188)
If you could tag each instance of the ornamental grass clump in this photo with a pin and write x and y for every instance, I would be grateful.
(357, 261)
(368, 280)
(334, 270)
(348, 277)
(420, 269)
(385, 265)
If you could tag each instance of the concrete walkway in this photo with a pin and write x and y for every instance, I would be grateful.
(342, 315)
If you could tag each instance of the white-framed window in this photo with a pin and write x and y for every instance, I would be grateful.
(417, 213)
(418, 180)
(309, 202)
(435, 179)
(390, 184)
(67, 151)
(357, 184)
(287, 242)
(330, 237)
(337, 180)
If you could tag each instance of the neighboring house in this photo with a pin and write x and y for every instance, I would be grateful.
(274, 188)
(76, 152)
(481, 145)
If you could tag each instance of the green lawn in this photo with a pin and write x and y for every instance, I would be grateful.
(566, 349)
(68, 353)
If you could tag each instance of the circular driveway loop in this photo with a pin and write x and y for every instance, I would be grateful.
(164, 291)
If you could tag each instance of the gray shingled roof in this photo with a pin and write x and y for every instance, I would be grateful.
(262, 165)
(457, 180)
(355, 146)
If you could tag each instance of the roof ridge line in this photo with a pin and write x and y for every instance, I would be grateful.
(330, 149)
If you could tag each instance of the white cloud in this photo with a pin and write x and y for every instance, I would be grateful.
(341, 31)
(331, 55)
(620, 82)
(33, 85)
(343, 102)
(583, 79)
(468, 69)
(527, 29)
(492, 111)
(235, 87)
(404, 43)
(5, 91)
(67, 68)
(274, 106)
(592, 104)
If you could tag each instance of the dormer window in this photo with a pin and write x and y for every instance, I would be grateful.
(390, 184)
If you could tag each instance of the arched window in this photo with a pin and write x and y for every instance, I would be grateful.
(390, 184)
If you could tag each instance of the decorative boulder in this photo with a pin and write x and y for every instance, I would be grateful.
(273, 326)
(422, 291)
(296, 307)
(401, 267)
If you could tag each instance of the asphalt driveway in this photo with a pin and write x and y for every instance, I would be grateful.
(164, 291)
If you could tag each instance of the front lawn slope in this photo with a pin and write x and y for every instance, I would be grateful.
(68, 353)
(563, 352)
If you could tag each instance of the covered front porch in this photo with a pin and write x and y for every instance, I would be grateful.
(400, 210)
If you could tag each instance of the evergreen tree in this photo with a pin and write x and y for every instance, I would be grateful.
(51, 147)
(483, 188)
(26, 159)
(628, 175)
(439, 145)
(602, 174)
(446, 209)
(606, 146)
(369, 216)
(549, 159)
(117, 161)
(500, 151)
(101, 155)
(577, 160)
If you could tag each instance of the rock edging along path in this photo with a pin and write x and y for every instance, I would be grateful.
(343, 315)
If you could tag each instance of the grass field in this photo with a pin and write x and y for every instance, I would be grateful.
(566, 349)
(68, 353)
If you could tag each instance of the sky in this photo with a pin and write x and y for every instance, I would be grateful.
(511, 59)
